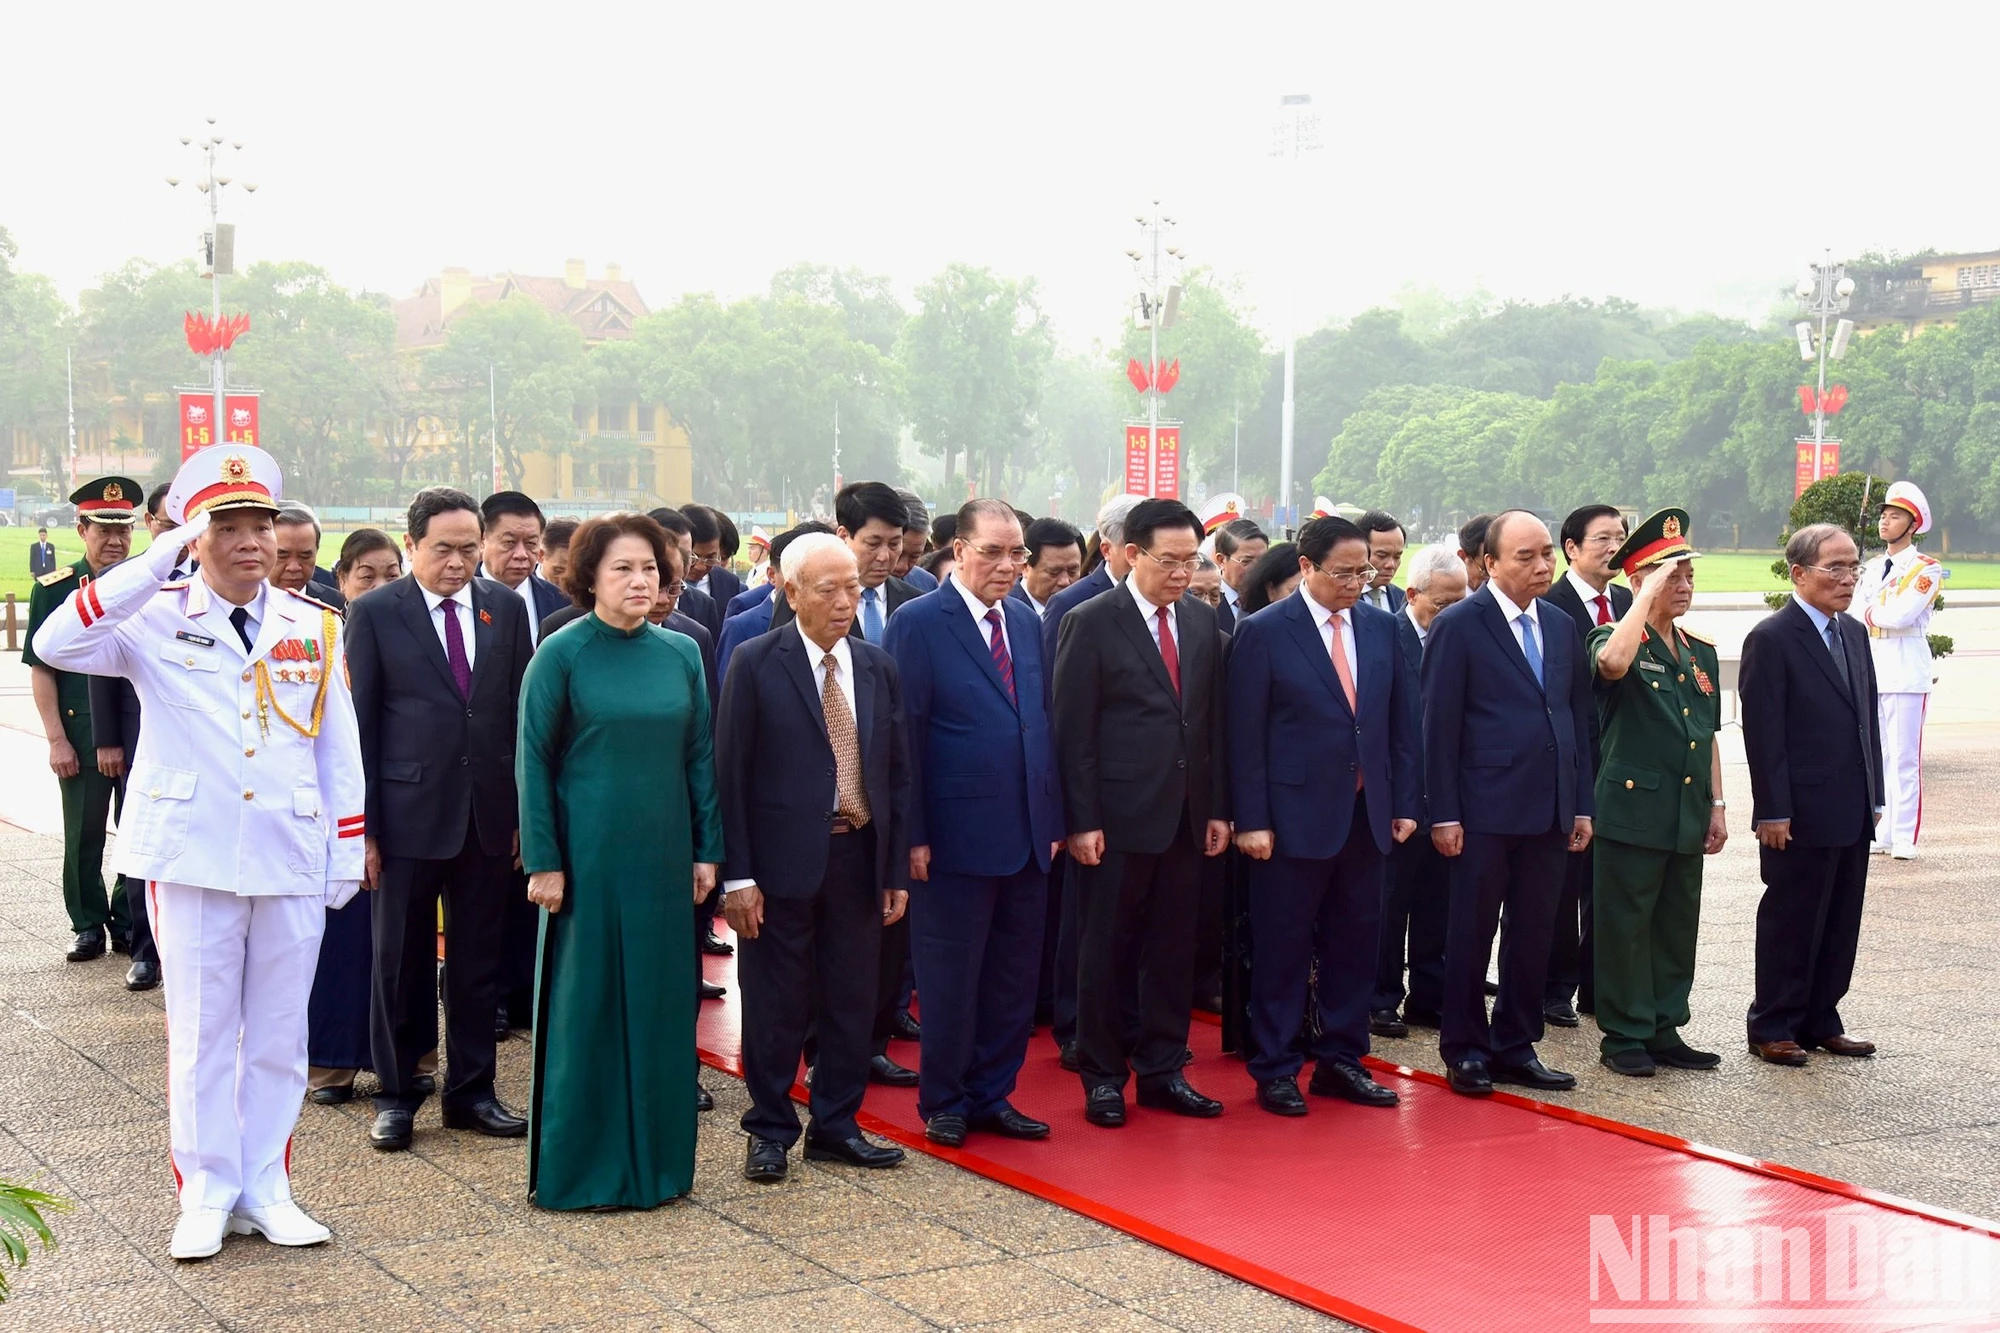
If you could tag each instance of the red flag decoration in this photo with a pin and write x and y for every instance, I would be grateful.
(205, 337)
(1168, 376)
(1137, 374)
(1833, 400)
(1808, 399)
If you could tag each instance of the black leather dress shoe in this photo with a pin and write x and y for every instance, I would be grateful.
(1686, 1057)
(708, 990)
(121, 944)
(1469, 1078)
(488, 1117)
(1350, 1083)
(906, 1028)
(334, 1096)
(390, 1132)
(1009, 1124)
(1387, 1023)
(1280, 1096)
(715, 947)
(1422, 1018)
(704, 1100)
(88, 944)
(142, 975)
(1632, 1064)
(1068, 1058)
(1560, 1013)
(764, 1161)
(501, 1027)
(856, 1151)
(1176, 1094)
(948, 1130)
(424, 1085)
(883, 1070)
(1534, 1074)
(1104, 1107)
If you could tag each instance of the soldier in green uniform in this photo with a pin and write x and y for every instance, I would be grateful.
(105, 509)
(1659, 802)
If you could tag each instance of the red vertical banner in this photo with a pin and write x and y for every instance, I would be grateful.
(241, 409)
(197, 422)
(1167, 472)
(1138, 461)
(1805, 465)
(199, 428)
(1829, 459)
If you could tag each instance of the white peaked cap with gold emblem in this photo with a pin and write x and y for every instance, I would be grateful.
(224, 476)
(1220, 509)
(1906, 497)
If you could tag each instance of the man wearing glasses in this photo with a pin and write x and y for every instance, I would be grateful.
(1811, 734)
(984, 821)
(1139, 739)
(1238, 544)
(1324, 757)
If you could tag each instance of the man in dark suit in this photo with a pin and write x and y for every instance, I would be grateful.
(1239, 544)
(1416, 889)
(1324, 749)
(436, 662)
(694, 603)
(1812, 735)
(42, 555)
(298, 535)
(1055, 561)
(751, 615)
(1507, 766)
(983, 822)
(1386, 541)
(1059, 937)
(871, 517)
(1591, 535)
(814, 782)
(509, 552)
(708, 574)
(1139, 741)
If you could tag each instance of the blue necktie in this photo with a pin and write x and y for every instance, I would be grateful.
(871, 616)
(1533, 653)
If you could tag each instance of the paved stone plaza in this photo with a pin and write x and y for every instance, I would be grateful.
(443, 1237)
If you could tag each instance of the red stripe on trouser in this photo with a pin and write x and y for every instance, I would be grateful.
(1918, 829)
(153, 915)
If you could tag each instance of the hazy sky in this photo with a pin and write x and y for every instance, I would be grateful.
(1672, 154)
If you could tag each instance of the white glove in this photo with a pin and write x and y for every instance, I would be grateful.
(165, 552)
(340, 892)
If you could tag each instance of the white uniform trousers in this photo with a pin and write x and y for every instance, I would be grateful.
(237, 973)
(1902, 770)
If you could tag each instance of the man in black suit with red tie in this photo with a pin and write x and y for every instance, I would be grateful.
(1590, 537)
(436, 662)
(1812, 736)
(1139, 742)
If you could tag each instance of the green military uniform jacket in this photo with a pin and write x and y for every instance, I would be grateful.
(72, 688)
(1659, 722)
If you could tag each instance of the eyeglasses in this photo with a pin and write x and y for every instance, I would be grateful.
(1609, 540)
(1346, 576)
(1838, 573)
(1239, 559)
(674, 589)
(1173, 566)
(1017, 554)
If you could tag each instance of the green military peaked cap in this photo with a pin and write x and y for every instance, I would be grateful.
(1664, 536)
(108, 500)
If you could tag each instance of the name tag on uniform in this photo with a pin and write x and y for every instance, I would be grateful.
(1652, 666)
(195, 639)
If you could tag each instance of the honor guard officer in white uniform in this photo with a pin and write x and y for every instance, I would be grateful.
(244, 814)
(1897, 593)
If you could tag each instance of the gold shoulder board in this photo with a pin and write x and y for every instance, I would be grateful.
(1699, 638)
(55, 576)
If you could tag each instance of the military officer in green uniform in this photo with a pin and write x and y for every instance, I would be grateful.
(105, 509)
(1659, 802)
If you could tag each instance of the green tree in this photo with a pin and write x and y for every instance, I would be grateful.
(35, 326)
(538, 374)
(133, 342)
(974, 354)
(1223, 369)
(1079, 430)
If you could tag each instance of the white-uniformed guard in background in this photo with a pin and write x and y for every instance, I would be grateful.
(243, 815)
(1897, 593)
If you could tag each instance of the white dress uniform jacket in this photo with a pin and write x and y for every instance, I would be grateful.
(224, 793)
(1894, 599)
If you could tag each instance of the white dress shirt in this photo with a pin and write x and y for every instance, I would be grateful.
(1041, 608)
(464, 599)
(1410, 613)
(979, 610)
(1378, 598)
(1514, 614)
(526, 592)
(1151, 614)
(1328, 622)
(1590, 596)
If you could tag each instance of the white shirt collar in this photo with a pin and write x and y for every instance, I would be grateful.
(1506, 604)
(1411, 613)
(1230, 595)
(1320, 614)
(431, 600)
(975, 606)
(1584, 590)
(843, 656)
(1820, 619)
(1147, 610)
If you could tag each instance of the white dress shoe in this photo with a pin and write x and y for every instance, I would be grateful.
(199, 1233)
(1878, 849)
(279, 1223)
(1903, 854)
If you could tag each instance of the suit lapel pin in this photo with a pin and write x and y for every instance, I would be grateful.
(485, 617)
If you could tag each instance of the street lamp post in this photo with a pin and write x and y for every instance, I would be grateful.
(218, 245)
(1824, 294)
(1158, 303)
(1297, 134)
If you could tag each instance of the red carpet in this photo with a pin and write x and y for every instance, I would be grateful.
(1453, 1214)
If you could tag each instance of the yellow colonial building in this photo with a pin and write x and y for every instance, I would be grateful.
(626, 454)
(1923, 292)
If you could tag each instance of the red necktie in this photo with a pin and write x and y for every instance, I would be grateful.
(1169, 653)
(1002, 663)
(1603, 609)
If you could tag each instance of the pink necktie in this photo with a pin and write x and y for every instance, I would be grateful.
(1346, 674)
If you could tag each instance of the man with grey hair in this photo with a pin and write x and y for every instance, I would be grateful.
(297, 569)
(916, 535)
(1811, 733)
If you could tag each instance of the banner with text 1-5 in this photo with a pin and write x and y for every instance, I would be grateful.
(1146, 475)
(198, 427)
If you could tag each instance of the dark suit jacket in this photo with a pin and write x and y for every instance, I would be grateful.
(1295, 745)
(894, 593)
(1564, 596)
(1135, 758)
(1225, 620)
(774, 766)
(1076, 594)
(1503, 754)
(723, 588)
(982, 764)
(1410, 651)
(41, 559)
(698, 605)
(748, 598)
(435, 759)
(114, 717)
(1396, 599)
(326, 594)
(1815, 751)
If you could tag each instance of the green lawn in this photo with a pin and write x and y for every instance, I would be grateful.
(1747, 572)
(14, 544)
